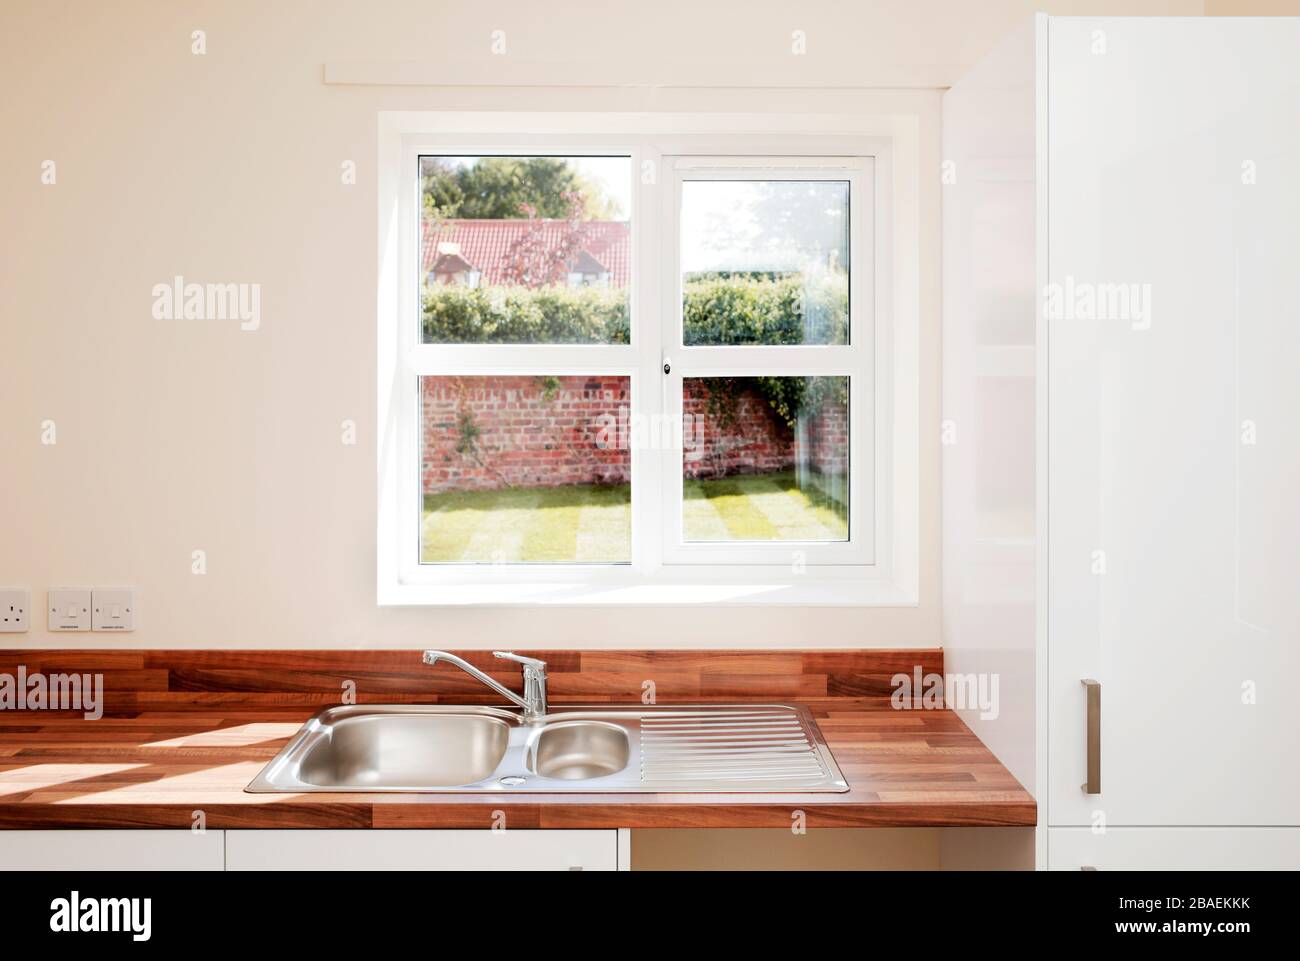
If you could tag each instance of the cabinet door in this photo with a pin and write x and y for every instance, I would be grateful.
(388, 850)
(166, 850)
(1174, 849)
(1174, 440)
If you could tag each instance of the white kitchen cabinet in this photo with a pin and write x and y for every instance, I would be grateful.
(109, 850)
(1146, 300)
(1174, 849)
(418, 850)
(1173, 443)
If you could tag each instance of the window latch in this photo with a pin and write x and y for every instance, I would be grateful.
(668, 366)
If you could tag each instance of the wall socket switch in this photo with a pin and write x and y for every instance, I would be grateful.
(68, 608)
(112, 610)
(15, 609)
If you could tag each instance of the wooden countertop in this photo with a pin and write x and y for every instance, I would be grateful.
(164, 753)
(905, 768)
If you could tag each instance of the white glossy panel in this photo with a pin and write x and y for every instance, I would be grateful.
(1174, 849)
(1146, 462)
(394, 850)
(989, 386)
(165, 850)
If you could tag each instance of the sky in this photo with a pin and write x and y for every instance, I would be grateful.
(762, 225)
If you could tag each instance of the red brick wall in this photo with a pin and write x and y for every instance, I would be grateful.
(526, 438)
(755, 440)
(529, 436)
(828, 440)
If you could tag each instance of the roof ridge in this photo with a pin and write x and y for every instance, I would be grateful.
(526, 220)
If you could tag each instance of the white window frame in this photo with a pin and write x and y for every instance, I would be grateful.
(886, 575)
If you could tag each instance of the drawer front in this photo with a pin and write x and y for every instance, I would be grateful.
(112, 850)
(384, 850)
(1174, 849)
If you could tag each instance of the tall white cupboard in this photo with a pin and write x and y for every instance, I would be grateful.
(1121, 460)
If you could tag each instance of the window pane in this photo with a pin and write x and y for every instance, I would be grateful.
(765, 458)
(765, 262)
(525, 469)
(525, 250)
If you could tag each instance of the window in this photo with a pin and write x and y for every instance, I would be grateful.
(769, 342)
(628, 361)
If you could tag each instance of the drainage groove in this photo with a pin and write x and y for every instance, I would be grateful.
(769, 744)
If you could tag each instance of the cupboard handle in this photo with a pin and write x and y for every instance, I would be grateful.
(1093, 784)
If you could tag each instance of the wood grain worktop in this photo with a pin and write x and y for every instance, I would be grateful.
(185, 731)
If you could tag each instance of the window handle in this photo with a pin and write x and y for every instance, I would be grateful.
(1093, 784)
(668, 365)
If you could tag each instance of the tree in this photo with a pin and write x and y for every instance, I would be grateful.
(530, 262)
(499, 188)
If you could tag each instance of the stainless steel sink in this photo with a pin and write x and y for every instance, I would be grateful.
(606, 749)
(365, 751)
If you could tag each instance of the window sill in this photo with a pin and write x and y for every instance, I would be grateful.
(664, 591)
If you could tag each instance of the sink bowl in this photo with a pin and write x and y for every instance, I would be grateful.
(580, 750)
(365, 751)
(697, 749)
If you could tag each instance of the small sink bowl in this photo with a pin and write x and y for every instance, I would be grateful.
(411, 750)
(580, 751)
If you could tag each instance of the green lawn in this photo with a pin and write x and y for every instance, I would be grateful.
(593, 523)
(760, 507)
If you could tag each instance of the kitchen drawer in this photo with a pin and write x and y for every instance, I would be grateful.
(165, 850)
(1175, 849)
(389, 850)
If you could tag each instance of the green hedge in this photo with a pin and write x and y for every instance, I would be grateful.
(519, 315)
(716, 310)
(790, 397)
(769, 312)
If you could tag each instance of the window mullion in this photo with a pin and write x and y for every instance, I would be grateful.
(429, 359)
(648, 308)
(769, 361)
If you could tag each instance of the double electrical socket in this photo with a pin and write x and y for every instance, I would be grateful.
(69, 609)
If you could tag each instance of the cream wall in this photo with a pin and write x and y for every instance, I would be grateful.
(174, 436)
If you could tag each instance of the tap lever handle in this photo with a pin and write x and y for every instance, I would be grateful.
(531, 662)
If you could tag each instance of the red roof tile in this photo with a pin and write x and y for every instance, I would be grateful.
(486, 243)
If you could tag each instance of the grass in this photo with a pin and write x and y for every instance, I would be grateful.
(591, 523)
(760, 507)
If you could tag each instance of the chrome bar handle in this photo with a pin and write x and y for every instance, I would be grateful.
(1093, 784)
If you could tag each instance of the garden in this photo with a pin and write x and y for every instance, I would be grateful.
(538, 468)
(515, 469)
